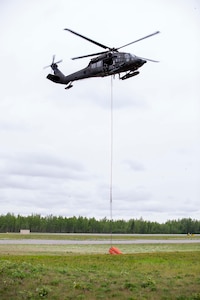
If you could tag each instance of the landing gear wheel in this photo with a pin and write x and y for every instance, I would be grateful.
(69, 86)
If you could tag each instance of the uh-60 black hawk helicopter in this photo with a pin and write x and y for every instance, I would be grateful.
(106, 63)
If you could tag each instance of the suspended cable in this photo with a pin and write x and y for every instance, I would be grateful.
(111, 157)
(112, 250)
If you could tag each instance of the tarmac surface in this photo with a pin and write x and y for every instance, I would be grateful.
(97, 242)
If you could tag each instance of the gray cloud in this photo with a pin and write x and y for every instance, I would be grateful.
(134, 165)
(41, 165)
(55, 144)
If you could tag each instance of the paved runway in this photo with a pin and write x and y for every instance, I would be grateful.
(97, 242)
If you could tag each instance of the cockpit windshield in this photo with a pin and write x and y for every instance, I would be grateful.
(129, 56)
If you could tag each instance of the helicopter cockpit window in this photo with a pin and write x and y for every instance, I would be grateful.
(97, 64)
(119, 58)
(132, 56)
(127, 57)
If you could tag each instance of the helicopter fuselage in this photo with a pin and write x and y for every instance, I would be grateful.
(105, 63)
(101, 66)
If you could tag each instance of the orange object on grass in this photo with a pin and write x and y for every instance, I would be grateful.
(114, 250)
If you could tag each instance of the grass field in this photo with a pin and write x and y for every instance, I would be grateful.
(143, 271)
(80, 237)
(94, 249)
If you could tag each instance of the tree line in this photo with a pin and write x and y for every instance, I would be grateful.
(54, 224)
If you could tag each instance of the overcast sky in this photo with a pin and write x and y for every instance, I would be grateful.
(55, 143)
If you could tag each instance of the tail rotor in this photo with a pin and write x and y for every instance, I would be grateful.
(53, 65)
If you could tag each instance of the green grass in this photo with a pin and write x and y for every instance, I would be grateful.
(162, 275)
(94, 249)
(64, 236)
(143, 271)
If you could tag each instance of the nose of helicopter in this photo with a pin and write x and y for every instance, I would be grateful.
(140, 62)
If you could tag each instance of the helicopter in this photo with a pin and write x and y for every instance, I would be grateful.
(109, 62)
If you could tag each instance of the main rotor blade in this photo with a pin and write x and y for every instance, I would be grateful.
(89, 55)
(152, 60)
(145, 37)
(86, 38)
